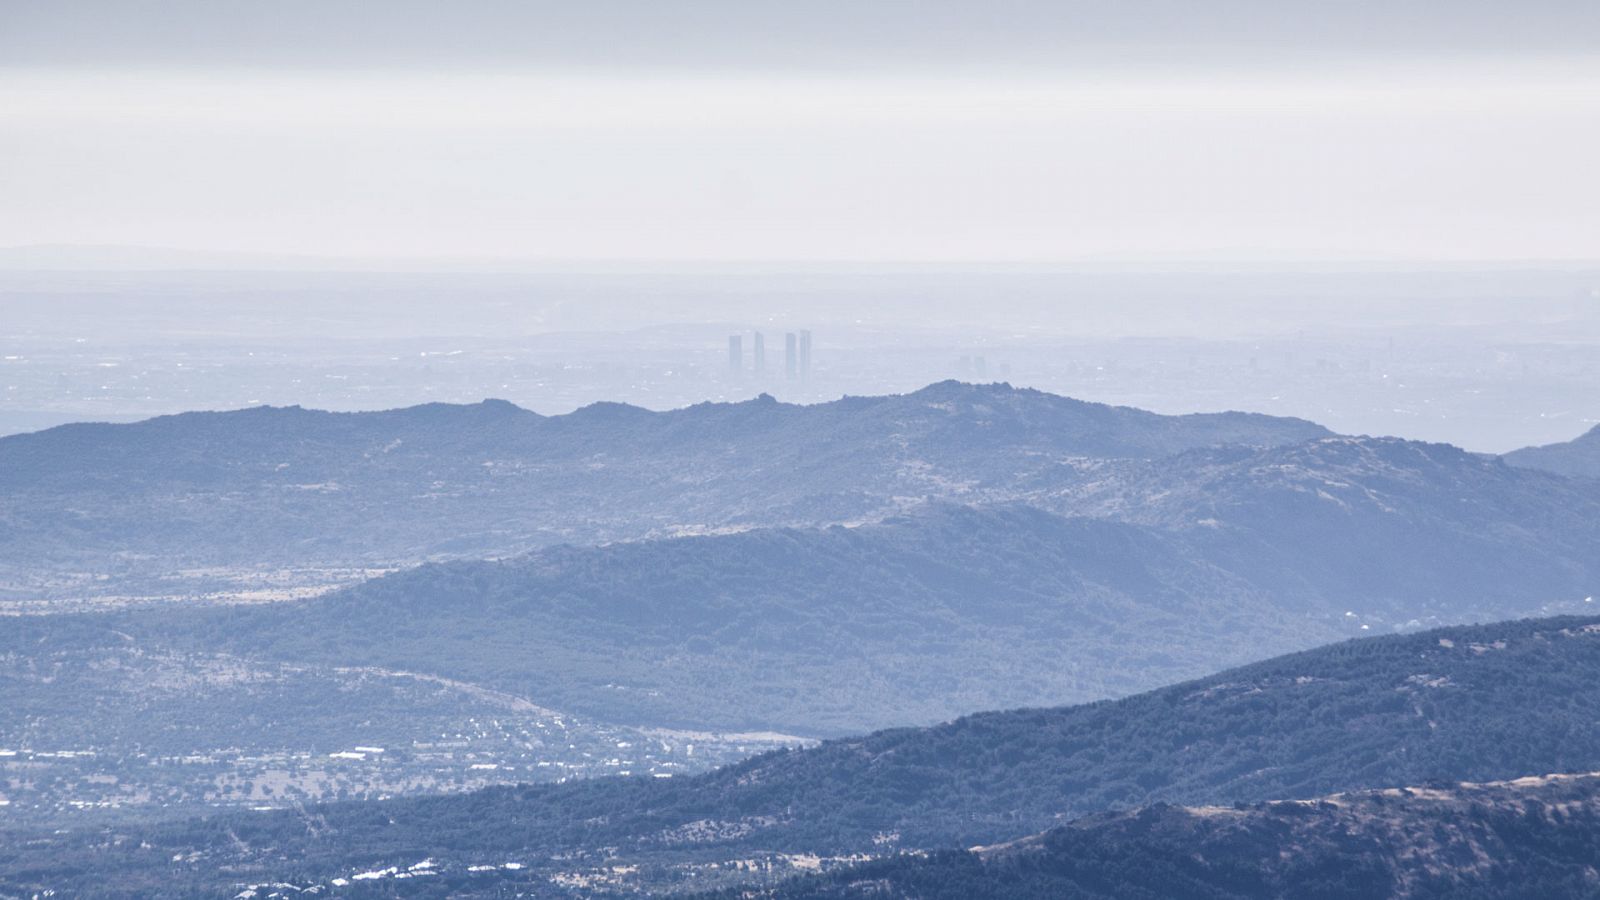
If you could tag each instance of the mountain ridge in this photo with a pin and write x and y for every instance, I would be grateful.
(280, 486)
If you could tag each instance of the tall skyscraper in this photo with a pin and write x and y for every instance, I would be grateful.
(760, 350)
(735, 353)
(805, 354)
(791, 358)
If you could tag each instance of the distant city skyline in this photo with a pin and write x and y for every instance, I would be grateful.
(796, 355)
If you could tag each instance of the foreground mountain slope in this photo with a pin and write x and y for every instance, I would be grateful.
(1579, 457)
(1475, 703)
(1534, 837)
(298, 487)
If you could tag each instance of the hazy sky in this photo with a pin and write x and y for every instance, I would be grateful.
(820, 130)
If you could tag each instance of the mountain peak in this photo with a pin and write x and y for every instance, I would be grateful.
(496, 405)
(608, 411)
(950, 388)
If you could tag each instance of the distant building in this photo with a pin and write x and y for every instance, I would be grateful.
(791, 357)
(760, 349)
(805, 354)
(735, 353)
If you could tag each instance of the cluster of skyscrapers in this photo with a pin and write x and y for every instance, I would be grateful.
(796, 354)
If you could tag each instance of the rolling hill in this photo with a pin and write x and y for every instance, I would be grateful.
(808, 631)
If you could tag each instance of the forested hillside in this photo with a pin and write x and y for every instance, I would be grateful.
(830, 631)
